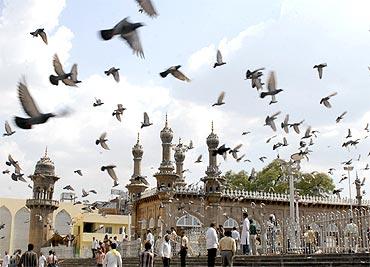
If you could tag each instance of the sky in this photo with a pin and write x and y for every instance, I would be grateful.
(288, 37)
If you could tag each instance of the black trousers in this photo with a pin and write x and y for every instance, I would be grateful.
(212, 252)
(93, 252)
(183, 253)
(166, 262)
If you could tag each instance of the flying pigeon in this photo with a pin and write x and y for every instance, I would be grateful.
(41, 33)
(367, 127)
(340, 117)
(245, 133)
(337, 191)
(118, 112)
(348, 162)
(146, 122)
(240, 158)
(68, 187)
(325, 100)
(262, 158)
(235, 150)
(84, 193)
(147, 6)
(320, 68)
(18, 177)
(199, 159)
(269, 139)
(343, 178)
(79, 172)
(69, 79)
(349, 135)
(254, 74)
(221, 151)
(174, 70)
(296, 126)
(271, 87)
(308, 133)
(114, 72)
(8, 129)
(285, 124)
(30, 108)
(219, 61)
(102, 141)
(97, 102)
(6, 171)
(127, 31)
(269, 121)
(111, 172)
(220, 100)
(93, 191)
(190, 146)
(15, 164)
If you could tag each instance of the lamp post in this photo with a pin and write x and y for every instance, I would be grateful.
(349, 168)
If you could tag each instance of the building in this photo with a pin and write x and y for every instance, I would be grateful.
(174, 204)
(40, 219)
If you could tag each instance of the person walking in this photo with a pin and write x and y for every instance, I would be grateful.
(165, 251)
(113, 257)
(212, 244)
(29, 258)
(52, 260)
(235, 234)
(94, 246)
(253, 236)
(184, 248)
(227, 249)
(42, 260)
(147, 257)
(244, 240)
(100, 255)
(6, 259)
(150, 238)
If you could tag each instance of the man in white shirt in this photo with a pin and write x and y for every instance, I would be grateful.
(184, 248)
(113, 257)
(212, 244)
(94, 246)
(6, 260)
(235, 234)
(244, 240)
(42, 260)
(150, 238)
(165, 251)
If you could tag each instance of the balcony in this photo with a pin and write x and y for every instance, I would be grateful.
(42, 202)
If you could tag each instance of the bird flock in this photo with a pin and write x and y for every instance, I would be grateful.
(129, 32)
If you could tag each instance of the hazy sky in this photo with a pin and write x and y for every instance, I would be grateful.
(289, 37)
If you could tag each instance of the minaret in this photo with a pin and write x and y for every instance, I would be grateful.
(137, 185)
(358, 190)
(42, 204)
(212, 180)
(166, 176)
(179, 155)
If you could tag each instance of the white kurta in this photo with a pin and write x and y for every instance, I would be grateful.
(112, 259)
(244, 239)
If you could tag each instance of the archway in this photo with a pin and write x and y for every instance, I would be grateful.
(62, 223)
(5, 218)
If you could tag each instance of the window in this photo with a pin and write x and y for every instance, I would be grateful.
(230, 223)
(108, 229)
(188, 221)
(88, 227)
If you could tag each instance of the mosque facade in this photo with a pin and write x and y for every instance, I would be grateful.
(172, 203)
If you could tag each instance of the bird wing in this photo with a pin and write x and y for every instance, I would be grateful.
(69, 82)
(118, 116)
(319, 69)
(112, 173)
(238, 146)
(349, 133)
(331, 95)
(58, 68)
(308, 131)
(103, 136)
(120, 107)
(74, 72)
(104, 145)
(179, 75)
(276, 114)
(326, 103)
(132, 38)
(28, 104)
(273, 126)
(8, 130)
(271, 85)
(296, 128)
(148, 7)
(286, 120)
(199, 158)
(43, 37)
(146, 118)
(342, 115)
(84, 192)
(116, 76)
(221, 97)
(219, 57)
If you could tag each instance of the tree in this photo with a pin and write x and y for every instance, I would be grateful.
(274, 178)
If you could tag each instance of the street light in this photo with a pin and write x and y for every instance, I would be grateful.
(349, 168)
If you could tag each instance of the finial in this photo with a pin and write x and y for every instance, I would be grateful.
(46, 152)
(166, 124)
(179, 140)
(212, 126)
(138, 138)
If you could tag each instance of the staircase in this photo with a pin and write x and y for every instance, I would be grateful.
(320, 260)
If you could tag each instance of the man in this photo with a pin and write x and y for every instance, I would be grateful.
(173, 237)
(244, 240)
(271, 231)
(235, 234)
(6, 260)
(212, 243)
(42, 260)
(150, 238)
(147, 257)
(310, 239)
(228, 249)
(351, 235)
(221, 231)
(184, 248)
(113, 257)
(29, 258)
(94, 246)
(253, 236)
(165, 251)
(100, 257)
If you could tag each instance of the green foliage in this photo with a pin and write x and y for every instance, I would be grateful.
(274, 178)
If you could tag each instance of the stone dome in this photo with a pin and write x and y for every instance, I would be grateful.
(137, 150)
(179, 155)
(166, 134)
(212, 140)
(45, 166)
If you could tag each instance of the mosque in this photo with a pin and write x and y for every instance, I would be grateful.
(172, 203)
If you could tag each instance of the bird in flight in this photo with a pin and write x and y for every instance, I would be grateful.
(119, 111)
(174, 71)
(97, 102)
(285, 124)
(127, 31)
(114, 72)
(111, 172)
(320, 68)
(8, 129)
(30, 108)
(219, 61)
(340, 117)
(41, 33)
(79, 172)
(220, 100)
(269, 121)
(102, 141)
(325, 100)
(69, 79)
(199, 159)
(271, 87)
(146, 122)
(147, 7)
